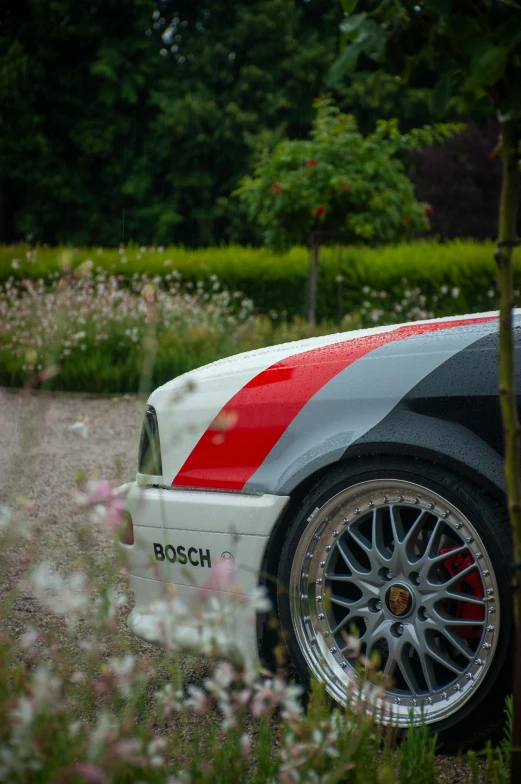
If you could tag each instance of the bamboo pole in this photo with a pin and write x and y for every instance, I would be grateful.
(507, 390)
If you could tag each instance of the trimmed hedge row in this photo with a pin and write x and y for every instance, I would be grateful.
(278, 282)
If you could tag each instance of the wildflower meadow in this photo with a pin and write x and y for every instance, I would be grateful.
(82, 328)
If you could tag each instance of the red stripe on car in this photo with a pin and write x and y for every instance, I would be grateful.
(250, 424)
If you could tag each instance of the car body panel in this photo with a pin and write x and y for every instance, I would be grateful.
(246, 423)
(180, 535)
(239, 436)
(354, 402)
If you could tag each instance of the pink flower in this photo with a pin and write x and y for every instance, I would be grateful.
(198, 700)
(104, 503)
(221, 578)
(90, 772)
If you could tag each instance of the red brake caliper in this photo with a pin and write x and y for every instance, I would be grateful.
(472, 586)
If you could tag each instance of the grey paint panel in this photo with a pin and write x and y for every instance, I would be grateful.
(354, 402)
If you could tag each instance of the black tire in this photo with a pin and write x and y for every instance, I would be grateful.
(482, 714)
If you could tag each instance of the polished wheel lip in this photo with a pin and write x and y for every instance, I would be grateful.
(310, 622)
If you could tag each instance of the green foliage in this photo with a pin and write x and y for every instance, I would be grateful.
(99, 329)
(109, 134)
(277, 282)
(417, 757)
(475, 47)
(338, 181)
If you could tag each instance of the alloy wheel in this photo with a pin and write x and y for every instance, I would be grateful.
(404, 571)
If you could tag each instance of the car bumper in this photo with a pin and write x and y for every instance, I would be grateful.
(185, 542)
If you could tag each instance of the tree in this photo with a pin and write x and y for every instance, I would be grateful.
(240, 77)
(110, 133)
(337, 183)
(460, 180)
(74, 108)
(476, 47)
(107, 134)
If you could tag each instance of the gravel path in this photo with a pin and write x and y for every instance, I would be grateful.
(39, 461)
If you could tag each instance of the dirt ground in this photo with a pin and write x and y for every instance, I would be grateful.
(39, 461)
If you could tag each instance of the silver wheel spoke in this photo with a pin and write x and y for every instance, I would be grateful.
(442, 659)
(458, 578)
(427, 672)
(463, 622)
(447, 556)
(408, 675)
(464, 597)
(459, 644)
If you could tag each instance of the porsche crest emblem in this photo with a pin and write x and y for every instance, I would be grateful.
(399, 599)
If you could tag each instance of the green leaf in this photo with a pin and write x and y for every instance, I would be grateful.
(343, 63)
(440, 96)
(371, 39)
(489, 66)
(351, 23)
(349, 5)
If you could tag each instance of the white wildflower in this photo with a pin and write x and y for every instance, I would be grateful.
(64, 596)
(6, 516)
(103, 734)
(123, 669)
(81, 428)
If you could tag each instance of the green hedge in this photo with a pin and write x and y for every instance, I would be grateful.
(278, 283)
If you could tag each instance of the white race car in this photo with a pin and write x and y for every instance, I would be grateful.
(359, 478)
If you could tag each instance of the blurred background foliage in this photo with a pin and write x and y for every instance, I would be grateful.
(112, 132)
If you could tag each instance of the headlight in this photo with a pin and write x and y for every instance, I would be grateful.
(149, 447)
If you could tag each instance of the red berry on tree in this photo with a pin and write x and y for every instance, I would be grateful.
(428, 210)
(345, 187)
(276, 188)
(320, 210)
(311, 162)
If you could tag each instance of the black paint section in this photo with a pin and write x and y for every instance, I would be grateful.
(452, 416)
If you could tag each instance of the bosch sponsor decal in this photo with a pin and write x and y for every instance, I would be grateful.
(195, 556)
(266, 406)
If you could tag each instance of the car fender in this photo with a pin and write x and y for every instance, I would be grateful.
(410, 434)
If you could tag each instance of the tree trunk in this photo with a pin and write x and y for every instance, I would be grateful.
(507, 390)
(340, 289)
(314, 246)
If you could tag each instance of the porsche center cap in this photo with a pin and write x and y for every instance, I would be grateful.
(399, 600)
